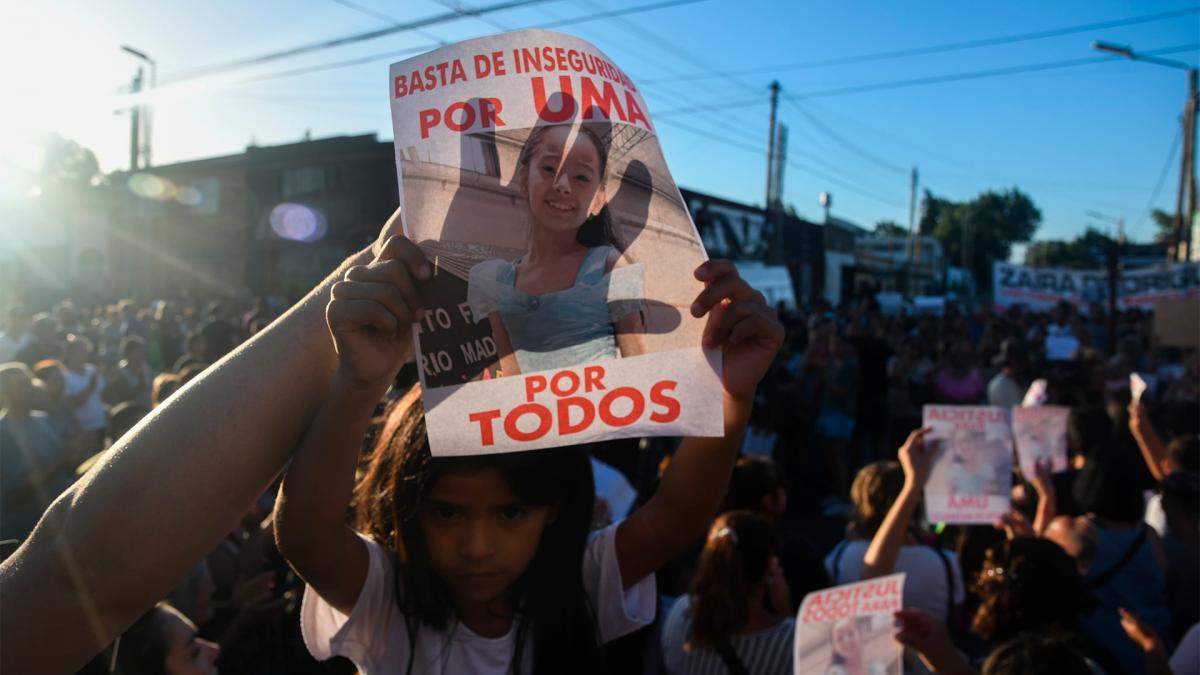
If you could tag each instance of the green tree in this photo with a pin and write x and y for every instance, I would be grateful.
(974, 234)
(66, 164)
(889, 228)
(931, 210)
(1166, 226)
(1083, 252)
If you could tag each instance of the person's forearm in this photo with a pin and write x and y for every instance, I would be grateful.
(1154, 453)
(310, 514)
(120, 538)
(881, 555)
(698, 476)
(1047, 510)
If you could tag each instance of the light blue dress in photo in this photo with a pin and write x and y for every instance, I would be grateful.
(564, 328)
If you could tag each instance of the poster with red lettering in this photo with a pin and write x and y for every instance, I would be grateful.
(532, 178)
(850, 629)
(1041, 435)
(972, 475)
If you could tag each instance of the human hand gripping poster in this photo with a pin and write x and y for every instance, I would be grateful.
(849, 629)
(972, 475)
(531, 177)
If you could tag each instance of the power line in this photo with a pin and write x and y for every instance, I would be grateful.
(390, 20)
(801, 167)
(979, 74)
(617, 12)
(1162, 175)
(935, 79)
(949, 47)
(391, 54)
(351, 39)
(846, 143)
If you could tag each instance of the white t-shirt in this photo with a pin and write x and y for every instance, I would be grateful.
(91, 414)
(374, 636)
(1004, 391)
(924, 587)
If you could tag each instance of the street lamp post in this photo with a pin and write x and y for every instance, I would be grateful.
(141, 124)
(1180, 243)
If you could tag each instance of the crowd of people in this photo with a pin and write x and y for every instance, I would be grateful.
(1095, 569)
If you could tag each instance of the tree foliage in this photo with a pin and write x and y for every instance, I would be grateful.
(976, 233)
(889, 228)
(1084, 252)
(66, 164)
(1166, 226)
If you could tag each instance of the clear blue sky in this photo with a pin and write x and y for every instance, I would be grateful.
(1093, 137)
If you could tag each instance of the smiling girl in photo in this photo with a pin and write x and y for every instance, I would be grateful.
(573, 297)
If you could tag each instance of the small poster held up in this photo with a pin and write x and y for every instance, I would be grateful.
(972, 475)
(850, 628)
(559, 309)
(1041, 434)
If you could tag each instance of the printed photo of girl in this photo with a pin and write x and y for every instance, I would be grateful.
(573, 297)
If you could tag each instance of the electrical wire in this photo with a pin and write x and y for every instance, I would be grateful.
(350, 39)
(949, 47)
(1162, 175)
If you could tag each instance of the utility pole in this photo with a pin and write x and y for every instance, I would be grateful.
(140, 112)
(912, 237)
(1183, 225)
(135, 122)
(777, 136)
(1186, 196)
(771, 140)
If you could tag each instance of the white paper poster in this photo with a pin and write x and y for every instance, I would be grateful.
(850, 628)
(1139, 384)
(972, 475)
(1041, 434)
(531, 176)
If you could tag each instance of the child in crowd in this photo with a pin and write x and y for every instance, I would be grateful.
(484, 563)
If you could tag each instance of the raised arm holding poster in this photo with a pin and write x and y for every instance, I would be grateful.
(849, 629)
(531, 176)
(972, 475)
(1041, 435)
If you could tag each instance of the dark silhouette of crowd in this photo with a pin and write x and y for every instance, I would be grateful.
(1096, 569)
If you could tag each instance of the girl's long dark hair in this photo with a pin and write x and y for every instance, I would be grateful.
(734, 559)
(598, 229)
(549, 596)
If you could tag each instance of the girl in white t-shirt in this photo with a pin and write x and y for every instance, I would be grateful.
(484, 563)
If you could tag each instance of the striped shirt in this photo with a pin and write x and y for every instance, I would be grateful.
(764, 652)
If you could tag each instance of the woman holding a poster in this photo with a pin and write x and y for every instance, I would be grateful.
(573, 297)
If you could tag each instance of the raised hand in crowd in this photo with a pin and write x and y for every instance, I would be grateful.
(1047, 507)
(1151, 445)
(916, 458)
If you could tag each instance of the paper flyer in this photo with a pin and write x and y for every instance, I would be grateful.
(1036, 394)
(850, 629)
(1041, 433)
(1139, 384)
(972, 475)
(531, 176)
